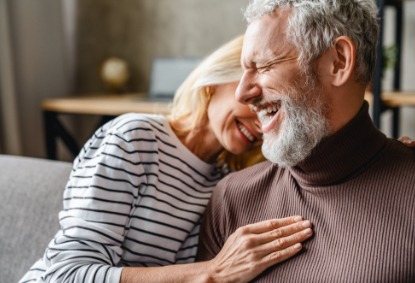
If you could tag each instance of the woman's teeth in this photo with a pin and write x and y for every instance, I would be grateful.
(246, 133)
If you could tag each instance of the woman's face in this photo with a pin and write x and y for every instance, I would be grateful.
(235, 127)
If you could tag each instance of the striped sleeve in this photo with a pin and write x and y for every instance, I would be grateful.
(98, 200)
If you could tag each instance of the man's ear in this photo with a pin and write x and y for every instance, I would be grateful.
(343, 60)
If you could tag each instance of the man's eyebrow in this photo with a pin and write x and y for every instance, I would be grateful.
(268, 62)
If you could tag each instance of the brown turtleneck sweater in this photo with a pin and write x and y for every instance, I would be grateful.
(356, 187)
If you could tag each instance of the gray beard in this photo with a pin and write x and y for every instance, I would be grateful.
(303, 127)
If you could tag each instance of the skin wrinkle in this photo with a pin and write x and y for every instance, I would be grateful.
(270, 62)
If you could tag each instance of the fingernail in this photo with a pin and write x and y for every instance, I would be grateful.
(297, 246)
(306, 224)
(298, 219)
(308, 232)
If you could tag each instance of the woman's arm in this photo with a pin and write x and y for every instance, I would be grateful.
(245, 255)
(100, 194)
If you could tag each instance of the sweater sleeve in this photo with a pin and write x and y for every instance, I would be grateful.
(99, 198)
(212, 235)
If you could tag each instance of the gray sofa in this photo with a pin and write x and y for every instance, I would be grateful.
(31, 193)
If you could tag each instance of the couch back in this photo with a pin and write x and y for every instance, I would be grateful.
(31, 193)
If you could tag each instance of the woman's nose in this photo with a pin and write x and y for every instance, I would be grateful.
(247, 90)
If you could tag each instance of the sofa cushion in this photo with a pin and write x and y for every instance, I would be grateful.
(31, 193)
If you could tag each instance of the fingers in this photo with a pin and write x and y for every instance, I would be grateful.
(280, 256)
(284, 231)
(282, 243)
(286, 242)
(407, 141)
(404, 139)
(261, 245)
(269, 225)
(284, 248)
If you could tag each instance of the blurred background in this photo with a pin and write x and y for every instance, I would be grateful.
(55, 48)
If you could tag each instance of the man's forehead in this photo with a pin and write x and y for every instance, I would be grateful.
(265, 38)
(274, 23)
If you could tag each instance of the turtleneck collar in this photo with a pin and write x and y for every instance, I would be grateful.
(340, 155)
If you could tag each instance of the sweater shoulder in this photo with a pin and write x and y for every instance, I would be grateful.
(251, 180)
(399, 154)
(252, 173)
(395, 165)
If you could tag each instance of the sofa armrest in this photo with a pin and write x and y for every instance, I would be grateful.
(31, 193)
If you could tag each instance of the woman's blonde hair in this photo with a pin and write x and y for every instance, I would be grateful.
(191, 100)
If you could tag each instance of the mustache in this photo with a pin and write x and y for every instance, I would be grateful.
(282, 100)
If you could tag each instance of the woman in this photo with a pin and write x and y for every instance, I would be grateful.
(140, 185)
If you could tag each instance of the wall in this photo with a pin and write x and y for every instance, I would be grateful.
(40, 65)
(9, 122)
(139, 30)
(408, 78)
(407, 121)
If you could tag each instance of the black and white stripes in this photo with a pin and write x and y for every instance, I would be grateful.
(135, 197)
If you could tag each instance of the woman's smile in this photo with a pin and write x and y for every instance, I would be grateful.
(247, 135)
(235, 127)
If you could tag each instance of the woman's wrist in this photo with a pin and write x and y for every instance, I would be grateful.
(193, 272)
(209, 274)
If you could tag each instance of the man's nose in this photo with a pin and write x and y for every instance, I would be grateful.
(247, 90)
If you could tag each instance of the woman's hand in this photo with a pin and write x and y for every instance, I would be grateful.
(254, 248)
(245, 255)
(407, 141)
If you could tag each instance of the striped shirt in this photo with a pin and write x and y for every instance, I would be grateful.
(135, 197)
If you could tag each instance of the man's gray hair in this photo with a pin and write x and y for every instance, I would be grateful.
(315, 24)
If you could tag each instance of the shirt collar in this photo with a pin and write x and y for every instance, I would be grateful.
(342, 154)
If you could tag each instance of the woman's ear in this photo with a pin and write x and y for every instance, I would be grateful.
(343, 61)
(209, 91)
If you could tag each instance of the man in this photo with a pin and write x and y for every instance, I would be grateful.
(307, 64)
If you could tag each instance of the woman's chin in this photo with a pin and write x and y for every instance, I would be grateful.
(238, 150)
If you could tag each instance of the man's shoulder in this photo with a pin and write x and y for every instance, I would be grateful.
(399, 153)
(256, 178)
(252, 173)
(396, 163)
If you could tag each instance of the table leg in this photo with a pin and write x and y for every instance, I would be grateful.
(50, 134)
(395, 122)
(53, 130)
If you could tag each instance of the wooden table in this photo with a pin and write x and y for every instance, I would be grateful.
(106, 105)
(394, 98)
(399, 98)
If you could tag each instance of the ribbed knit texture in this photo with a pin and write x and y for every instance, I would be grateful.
(357, 188)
